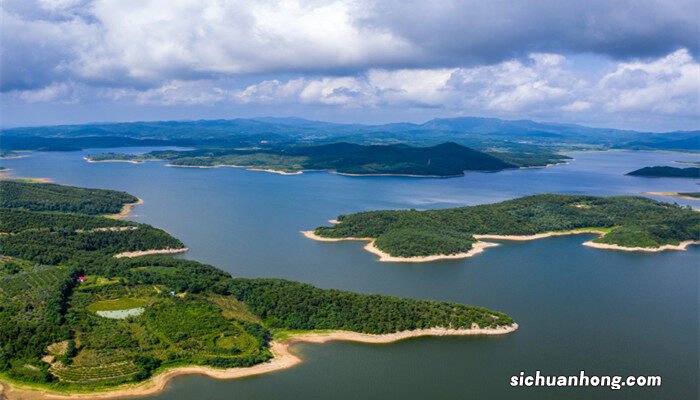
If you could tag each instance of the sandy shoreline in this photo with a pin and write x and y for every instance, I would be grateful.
(672, 194)
(399, 175)
(477, 248)
(124, 161)
(283, 359)
(275, 171)
(247, 168)
(604, 246)
(681, 246)
(131, 254)
(126, 210)
(6, 174)
(480, 246)
(539, 235)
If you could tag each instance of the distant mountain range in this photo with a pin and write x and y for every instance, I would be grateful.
(479, 133)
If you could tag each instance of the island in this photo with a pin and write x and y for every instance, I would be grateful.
(622, 223)
(77, 319)
(443, 160)
(667, 172)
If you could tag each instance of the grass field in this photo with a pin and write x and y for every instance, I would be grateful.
(124, 303)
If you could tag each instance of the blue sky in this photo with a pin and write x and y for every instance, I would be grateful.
(625, 64)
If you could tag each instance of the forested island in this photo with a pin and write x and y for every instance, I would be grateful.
(76, 318)
(667, 172)
(623, 223)
(447, 159)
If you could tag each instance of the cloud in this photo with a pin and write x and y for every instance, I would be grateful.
(669, 85)
(476, 32)
(147, 41)
(512, 85)
(544, 85)
(583, 61)
(59, 92)
(142, 43)
(35, 53)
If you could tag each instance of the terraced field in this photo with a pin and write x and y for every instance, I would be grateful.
(34, 285)
(118, 371)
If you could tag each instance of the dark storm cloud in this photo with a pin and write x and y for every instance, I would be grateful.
(472, 32)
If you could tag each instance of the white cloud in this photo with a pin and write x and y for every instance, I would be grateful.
(577, 106)
(517, 85)
(668, 85)
(510, 59)
(59, 92)
(151, 40)
(60, 5)
(417, 86)
(541, 85)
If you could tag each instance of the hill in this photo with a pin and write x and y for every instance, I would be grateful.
(447, 159)
(624, 222)
(52, 197)
(667, 172)
(479, 133)
(76, 318)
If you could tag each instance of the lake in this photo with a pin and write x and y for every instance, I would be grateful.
(579, 308)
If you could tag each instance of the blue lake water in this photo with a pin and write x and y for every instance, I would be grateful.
(605, 312)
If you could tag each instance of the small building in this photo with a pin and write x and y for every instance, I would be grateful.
(81, 279)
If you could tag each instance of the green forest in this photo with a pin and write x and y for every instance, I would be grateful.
(52, 197)
(447, 159)
(633, 222)
(74, 318)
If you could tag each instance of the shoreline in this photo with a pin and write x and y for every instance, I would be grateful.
(480, 246)
(540, 235)
(477, 248)
(276, 171)
(568, 160)
(126, 209)
(7, 174)
(672, 194)
(603, 246)
(247, 168)
(282, 359)
(123, 161)
(132, 254)
(682, 246)
(399, 175)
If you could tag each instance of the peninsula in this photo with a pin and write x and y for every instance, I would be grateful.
(667, 172)
(79, 320)
(444, 160)
(623, 223)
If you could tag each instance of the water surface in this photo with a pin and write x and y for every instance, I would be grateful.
(579, 308)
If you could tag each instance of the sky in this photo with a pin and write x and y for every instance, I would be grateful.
(630, 64)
